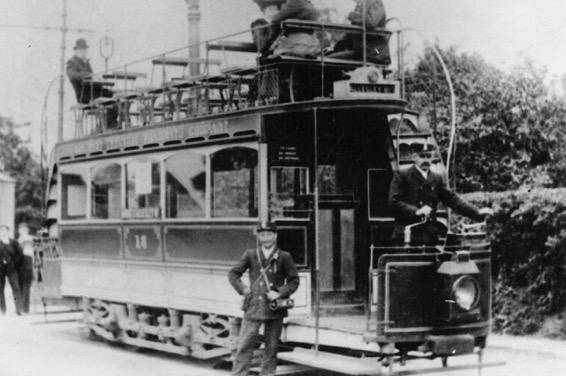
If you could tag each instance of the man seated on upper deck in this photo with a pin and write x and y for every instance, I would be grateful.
(79, 72)
(260, 29)
(293, 42)
(350, 47)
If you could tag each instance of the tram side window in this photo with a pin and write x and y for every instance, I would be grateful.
(143, 185)
(289, 192)
(234, 183)
(337, 177)
(74, 192)
(185, 184)
(106, 188)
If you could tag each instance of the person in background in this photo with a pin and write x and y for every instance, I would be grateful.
(260, 30)
(10, 259)
(25, 272)
(265, 263)
(415, 194)
(293, 42)
(79, 71)
(350, 47)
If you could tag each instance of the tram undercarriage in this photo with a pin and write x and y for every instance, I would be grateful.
(213, 336)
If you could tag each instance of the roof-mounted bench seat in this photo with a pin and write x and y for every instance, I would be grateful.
(316, 61)
(239, 71)
(183, 62)
(232, 46)
(327, 26)
(123, 75)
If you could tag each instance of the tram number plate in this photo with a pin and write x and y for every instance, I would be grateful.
(142, 242)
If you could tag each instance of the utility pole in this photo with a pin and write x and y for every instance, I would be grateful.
(193, 16)
(62, 73)
(64, 31)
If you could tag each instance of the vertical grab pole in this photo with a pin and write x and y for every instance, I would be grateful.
(263, 189)
(321, 43)
(364, 34)
(316, 240)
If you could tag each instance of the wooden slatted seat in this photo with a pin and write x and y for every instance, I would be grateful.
(233, 46)
(327, 26)
(239, 71)
(103, 101)
(123, 75)
(183, 61)
(316, 61)
(126, 94)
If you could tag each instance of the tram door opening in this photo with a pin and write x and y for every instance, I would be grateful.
(336, 243)
(349, 144)
(338, 226)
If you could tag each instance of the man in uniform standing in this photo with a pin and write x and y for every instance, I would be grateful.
(273, 275)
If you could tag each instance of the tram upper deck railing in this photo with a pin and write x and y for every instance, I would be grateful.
(232, 76)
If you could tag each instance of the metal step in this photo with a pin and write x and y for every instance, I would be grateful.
(332, 362)
(341, 309)
(290, 369)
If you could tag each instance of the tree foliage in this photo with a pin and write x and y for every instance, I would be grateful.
(510, 125)
(17, 161)
(528, 239)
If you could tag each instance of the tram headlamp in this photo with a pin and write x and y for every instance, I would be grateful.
(466, 291)
(458, 289)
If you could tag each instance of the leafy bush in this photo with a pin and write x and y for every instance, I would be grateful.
(528, 234)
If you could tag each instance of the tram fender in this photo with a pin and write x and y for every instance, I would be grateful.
(449, 345)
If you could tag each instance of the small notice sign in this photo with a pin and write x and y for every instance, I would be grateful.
(140, 213)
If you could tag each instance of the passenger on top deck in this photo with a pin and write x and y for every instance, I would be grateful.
(260, 30)
(293, 42)
(79, 72)
(350, 47)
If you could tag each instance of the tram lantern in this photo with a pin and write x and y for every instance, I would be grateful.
(459, 288)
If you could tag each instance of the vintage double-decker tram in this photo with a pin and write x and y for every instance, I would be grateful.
(150, 217)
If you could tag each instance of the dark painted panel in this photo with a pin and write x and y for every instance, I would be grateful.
(294, 241)
(218, 244)
(99, 242)
(142, 242)
(414, 299)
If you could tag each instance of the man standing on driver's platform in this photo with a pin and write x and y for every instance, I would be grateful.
(414, 195)
(281, 274)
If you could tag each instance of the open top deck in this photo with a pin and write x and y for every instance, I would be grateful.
(231, 77)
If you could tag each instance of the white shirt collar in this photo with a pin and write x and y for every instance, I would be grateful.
(423, 173)
(267, 251)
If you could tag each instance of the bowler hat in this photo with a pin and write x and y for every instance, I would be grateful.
(266, 226)
(80, 43)
(265, 3)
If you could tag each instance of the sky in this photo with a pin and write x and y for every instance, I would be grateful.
(503, 32)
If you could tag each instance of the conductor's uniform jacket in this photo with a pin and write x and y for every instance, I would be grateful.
(410, 191)
(281, 274)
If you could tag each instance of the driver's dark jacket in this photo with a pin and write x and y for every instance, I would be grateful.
(281, 273)
(410, 191)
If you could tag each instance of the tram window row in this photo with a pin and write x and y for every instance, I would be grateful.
(215, 183)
